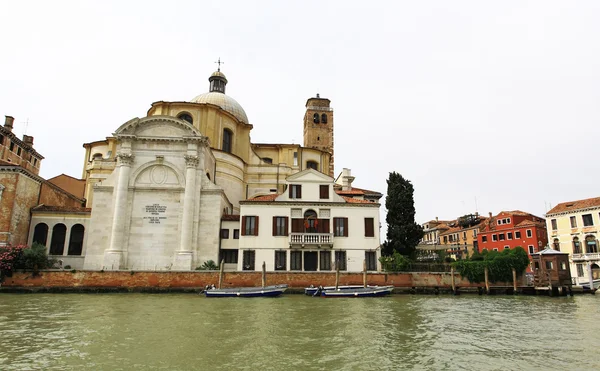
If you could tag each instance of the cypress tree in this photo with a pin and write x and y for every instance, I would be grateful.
(403, 234)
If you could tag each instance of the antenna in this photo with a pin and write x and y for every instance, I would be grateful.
(26, 122)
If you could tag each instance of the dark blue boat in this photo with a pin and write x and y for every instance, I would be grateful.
(354, 292)
(246, 292)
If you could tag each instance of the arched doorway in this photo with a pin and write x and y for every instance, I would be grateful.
(591, 245)
(40, 233)
(595, 271)
(76, 240)
(311, 223)
(57, 245)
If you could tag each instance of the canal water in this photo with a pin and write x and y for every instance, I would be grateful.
(294, 332)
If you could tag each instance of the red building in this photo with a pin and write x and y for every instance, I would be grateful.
(510, 229)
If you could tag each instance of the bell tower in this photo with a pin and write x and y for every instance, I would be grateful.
(318, 127)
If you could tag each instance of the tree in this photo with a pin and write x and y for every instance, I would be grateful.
(403, 234)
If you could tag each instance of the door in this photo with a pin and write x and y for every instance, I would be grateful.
(310, 260)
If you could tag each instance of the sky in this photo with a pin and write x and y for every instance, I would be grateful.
(484, 106)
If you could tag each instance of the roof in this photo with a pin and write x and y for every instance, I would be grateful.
(269, 197)
(549, 251)
(62, 209)
(354, 191)
(575, 205)
(451, 230)
(225, 102)
(351, 200)
(230, 218)
(531, 223)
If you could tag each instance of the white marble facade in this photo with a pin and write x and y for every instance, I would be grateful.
(158, 209)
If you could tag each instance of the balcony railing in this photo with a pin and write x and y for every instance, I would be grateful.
(586, 256)
(311, 239)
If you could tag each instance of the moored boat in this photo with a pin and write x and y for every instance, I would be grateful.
(355, 292)
(246, 292)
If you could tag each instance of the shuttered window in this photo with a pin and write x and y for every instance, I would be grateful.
(249, 225)
(340, 227)
(280, 226)
(248, 260)
(325, 260)
(340, 259)
(296, 260)
(280, 260)
(369, 227)
(295, 191)
(371, 260)
(324, 191)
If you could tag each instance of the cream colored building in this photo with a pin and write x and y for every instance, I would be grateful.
(573, 227)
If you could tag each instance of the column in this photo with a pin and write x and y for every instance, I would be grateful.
(114, 254)
(183, 257)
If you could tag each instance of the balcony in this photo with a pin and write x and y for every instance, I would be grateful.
(311, 239)
(586, 257)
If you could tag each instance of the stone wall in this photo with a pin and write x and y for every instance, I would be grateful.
(199, 279)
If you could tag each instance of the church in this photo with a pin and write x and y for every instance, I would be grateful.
(184, 185)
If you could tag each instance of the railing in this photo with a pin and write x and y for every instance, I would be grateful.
(586, 256)
(311, 239)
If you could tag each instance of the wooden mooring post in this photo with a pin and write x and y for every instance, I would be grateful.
(221, 273)
(514, 272)
(364, 273)
(264, 274)
(452, 280)
(487, 282)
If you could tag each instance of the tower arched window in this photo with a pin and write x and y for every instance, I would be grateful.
(312, 165)
(316, 118)
(323, 118)
(186, 117)
(227, 140)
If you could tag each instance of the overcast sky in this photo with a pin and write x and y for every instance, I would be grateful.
(484, 106)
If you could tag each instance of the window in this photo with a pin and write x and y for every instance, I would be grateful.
(248, 260)
(500, 221)
(501, 236)
(506, 247)
(295, 158)
(76, 240)
(507, 221)
(483, 239)
(34, 161)
(236, 234)
(324, 191)
(464, 235)
(576, 246)
(57, 244)
(340, 259)
(474, 233)
(323, 118)
(325, 260)
(40, 233)
(556, 244)
(573, 222)
(268, 160)
(590, 245)
(536, 265)
(280, 260)
(312, 165)
(371, 260)
(587, 220)
(227, 140)
(1, 139)
(531, 249)
(517, 235)
(549, 264)
(316, 118)
(529, 233)
(296, 260)
(340, 227)
(224, 234)
(19, 151)
(280, 226)
(229, 256)
(12, 146)
(249, 225)
(579, 270)
(369, 227)
(495, 249)
(494, 237)
(563, 266)
(295, 191)
(509, 236)
(554, 226)
(186, 117)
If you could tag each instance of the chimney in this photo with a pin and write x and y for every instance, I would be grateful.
(490, 214)
(8, 122)
(28, 140)
(347, 179)
(436, 218)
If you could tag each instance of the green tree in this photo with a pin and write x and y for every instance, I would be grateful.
(403, 234)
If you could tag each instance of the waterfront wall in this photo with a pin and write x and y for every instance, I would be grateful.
(199, 279)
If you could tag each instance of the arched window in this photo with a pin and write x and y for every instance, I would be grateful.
(591, 245)
(323, 119)
(310, 221)
(40, 233)
(312, 165)
(576, 246)
(186, 117)
(556, 244)
(316, 118)
(268, 160)
(57, 245)
(76, 240)
(208, 176)
(227, 140)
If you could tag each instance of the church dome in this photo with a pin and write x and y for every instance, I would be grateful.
(225, 102)
(217, 96)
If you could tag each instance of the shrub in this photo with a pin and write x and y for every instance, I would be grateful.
(499, 264)
(67, 266)
(208, 265)
(395, 263)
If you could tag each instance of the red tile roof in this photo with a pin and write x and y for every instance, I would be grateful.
(269, 197)
(575, 205)
(531, 223)
(351, 200)
(230, 218)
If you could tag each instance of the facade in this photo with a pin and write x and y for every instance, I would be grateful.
(458, 238)
(573, 228)
(166, 192)
(510, 229)
(310, 227)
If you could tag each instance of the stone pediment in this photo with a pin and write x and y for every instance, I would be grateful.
(157, 127)
(309, 176)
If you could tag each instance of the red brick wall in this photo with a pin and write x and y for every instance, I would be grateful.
(236, 279)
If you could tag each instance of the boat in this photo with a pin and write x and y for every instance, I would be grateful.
(210, 291)
(313, 291)
(246, 292)
(359, 292)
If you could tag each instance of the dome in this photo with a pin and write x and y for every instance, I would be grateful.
(225, 102)
(218, 74)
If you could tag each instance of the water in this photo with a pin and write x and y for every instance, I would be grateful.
(294, 332)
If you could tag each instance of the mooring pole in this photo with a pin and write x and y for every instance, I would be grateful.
(514, 281)
(264, 274)
(337, 274)
(221, 273)
(365, 273)
(452, 280)
(487, 283)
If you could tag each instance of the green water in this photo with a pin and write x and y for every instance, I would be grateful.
(294, 332)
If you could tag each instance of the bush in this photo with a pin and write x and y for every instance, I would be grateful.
(499, 264)
(34, 258)
(395, 263)
(67, 266)
(208, 265)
